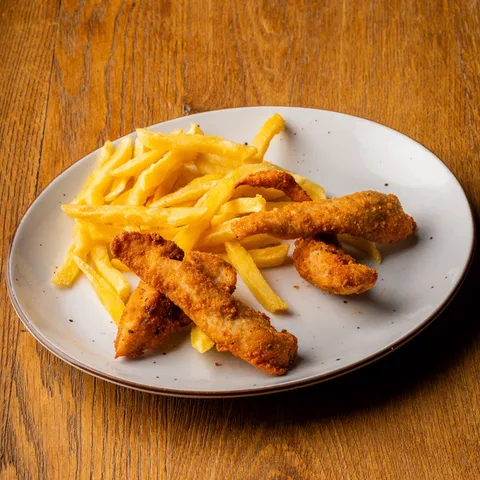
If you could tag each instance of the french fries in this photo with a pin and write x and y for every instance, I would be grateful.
(239, 206)
(252, 276)
(195, 144)
(106, 294)
(266, 257)
(94, 194)
(213, 200)
(185, 187)
(201, 342)
(135, 216)
(101, 262)
(364, 245)
(273, 126)
(68, 271)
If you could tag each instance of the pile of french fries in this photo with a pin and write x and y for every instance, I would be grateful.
(182, 185)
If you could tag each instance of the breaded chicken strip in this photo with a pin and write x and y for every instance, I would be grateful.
(321, 261)
(279, 180)
(232, 325)
(150, 317)
(372, 215)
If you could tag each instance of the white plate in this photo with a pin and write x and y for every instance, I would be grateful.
(336, 334)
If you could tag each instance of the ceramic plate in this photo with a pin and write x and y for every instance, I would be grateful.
(336, 334)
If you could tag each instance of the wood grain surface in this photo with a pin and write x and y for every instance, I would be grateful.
(75, 73)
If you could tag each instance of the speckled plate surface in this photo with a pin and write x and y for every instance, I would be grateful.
(336, 334)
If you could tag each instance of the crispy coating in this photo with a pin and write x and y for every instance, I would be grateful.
(279, 180)
(150, 317)
(232, 325)
(321, 261)
(372, 215)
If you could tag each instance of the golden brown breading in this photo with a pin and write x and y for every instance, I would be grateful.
(279, 180)
(372, 215)
(233, 326)
(216, 269)
(321, 261)
(150, 317)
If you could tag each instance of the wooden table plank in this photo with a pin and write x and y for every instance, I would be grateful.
(74, 73)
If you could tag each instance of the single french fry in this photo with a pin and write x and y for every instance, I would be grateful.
(118, 186)
(105, 293)
(138, 148)
(315, 191)
(201, 342)
(217, 235)
(213, 200)
(116, 263)
(68, 271)
(266, 257)
(94, 194)
(362, 244)
(239, 206)
(105, 154)
(273, 126)
(260, 240)
(134, 216)
(101, 261)
(196, 144)
(137, 165)
(253, 278)
(155, 175)
(185, 194)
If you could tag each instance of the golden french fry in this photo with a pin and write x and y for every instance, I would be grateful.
(138, 148)
(101, 261)
(253, 278)
(239, 206)
(362, 244)
(217, 235)
(155, 175)
(185, 194)
(137, 165)
(266, 257)
(118, 186)
(105, 293)
(201, 342)
(94, 194)
(260, 240)
(214, 199)
(105, 154)
(273, 126)
(316, 192)
(68, 271)
(195, 144)
(135, 216)
(116, 263)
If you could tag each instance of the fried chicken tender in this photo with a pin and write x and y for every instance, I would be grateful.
(150, 317)
(321, 261)
(279, 180)
(232, 325)
(372, 215)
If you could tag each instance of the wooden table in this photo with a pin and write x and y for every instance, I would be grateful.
(74, 74)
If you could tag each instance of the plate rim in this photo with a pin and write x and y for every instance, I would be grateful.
(241, 392)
